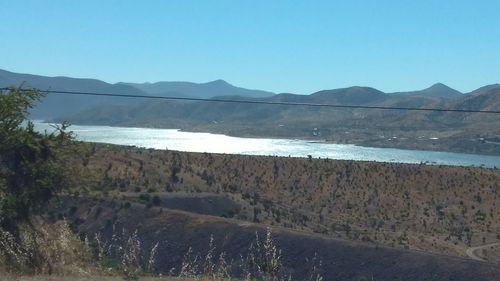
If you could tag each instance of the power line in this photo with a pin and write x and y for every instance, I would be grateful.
(263, 102)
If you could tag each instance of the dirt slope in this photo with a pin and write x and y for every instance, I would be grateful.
(342, 260)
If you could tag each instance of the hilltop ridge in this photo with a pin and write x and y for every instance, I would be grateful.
(438, 90)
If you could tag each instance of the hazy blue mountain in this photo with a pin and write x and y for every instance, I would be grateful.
(8, 78)
(57, 105)
(352, 95)
(485, 89)
(438, 90)
(464, 132)
(171, 114)
(197, 90)
(258, 119)
(484, 98)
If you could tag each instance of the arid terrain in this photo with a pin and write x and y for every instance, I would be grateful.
(250, 140)
(420, 214)
(423, 207)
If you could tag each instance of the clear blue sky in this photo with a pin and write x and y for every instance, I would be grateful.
(282, 46)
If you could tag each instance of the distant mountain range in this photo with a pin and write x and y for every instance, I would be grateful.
(438, 90)
(474, 133)
(197, 90)
(57, 105)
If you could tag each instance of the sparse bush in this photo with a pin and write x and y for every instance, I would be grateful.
(145, 197)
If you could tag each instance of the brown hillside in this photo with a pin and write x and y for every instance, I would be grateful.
(177, 231)
(429, 208)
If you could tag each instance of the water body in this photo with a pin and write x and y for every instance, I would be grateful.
(214, 143)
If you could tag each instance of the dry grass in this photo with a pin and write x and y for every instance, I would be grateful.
(45, 248)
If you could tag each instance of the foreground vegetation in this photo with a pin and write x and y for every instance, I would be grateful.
(92, 210)
(35, 168)
(32, 172)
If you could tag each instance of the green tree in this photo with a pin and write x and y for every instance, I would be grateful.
(31, 164)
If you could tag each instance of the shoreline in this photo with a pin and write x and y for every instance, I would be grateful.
(338, 151)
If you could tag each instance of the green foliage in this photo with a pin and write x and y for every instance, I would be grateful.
(31, 167)
(14, 106)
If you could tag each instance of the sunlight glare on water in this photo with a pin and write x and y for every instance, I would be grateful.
(214, 143)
